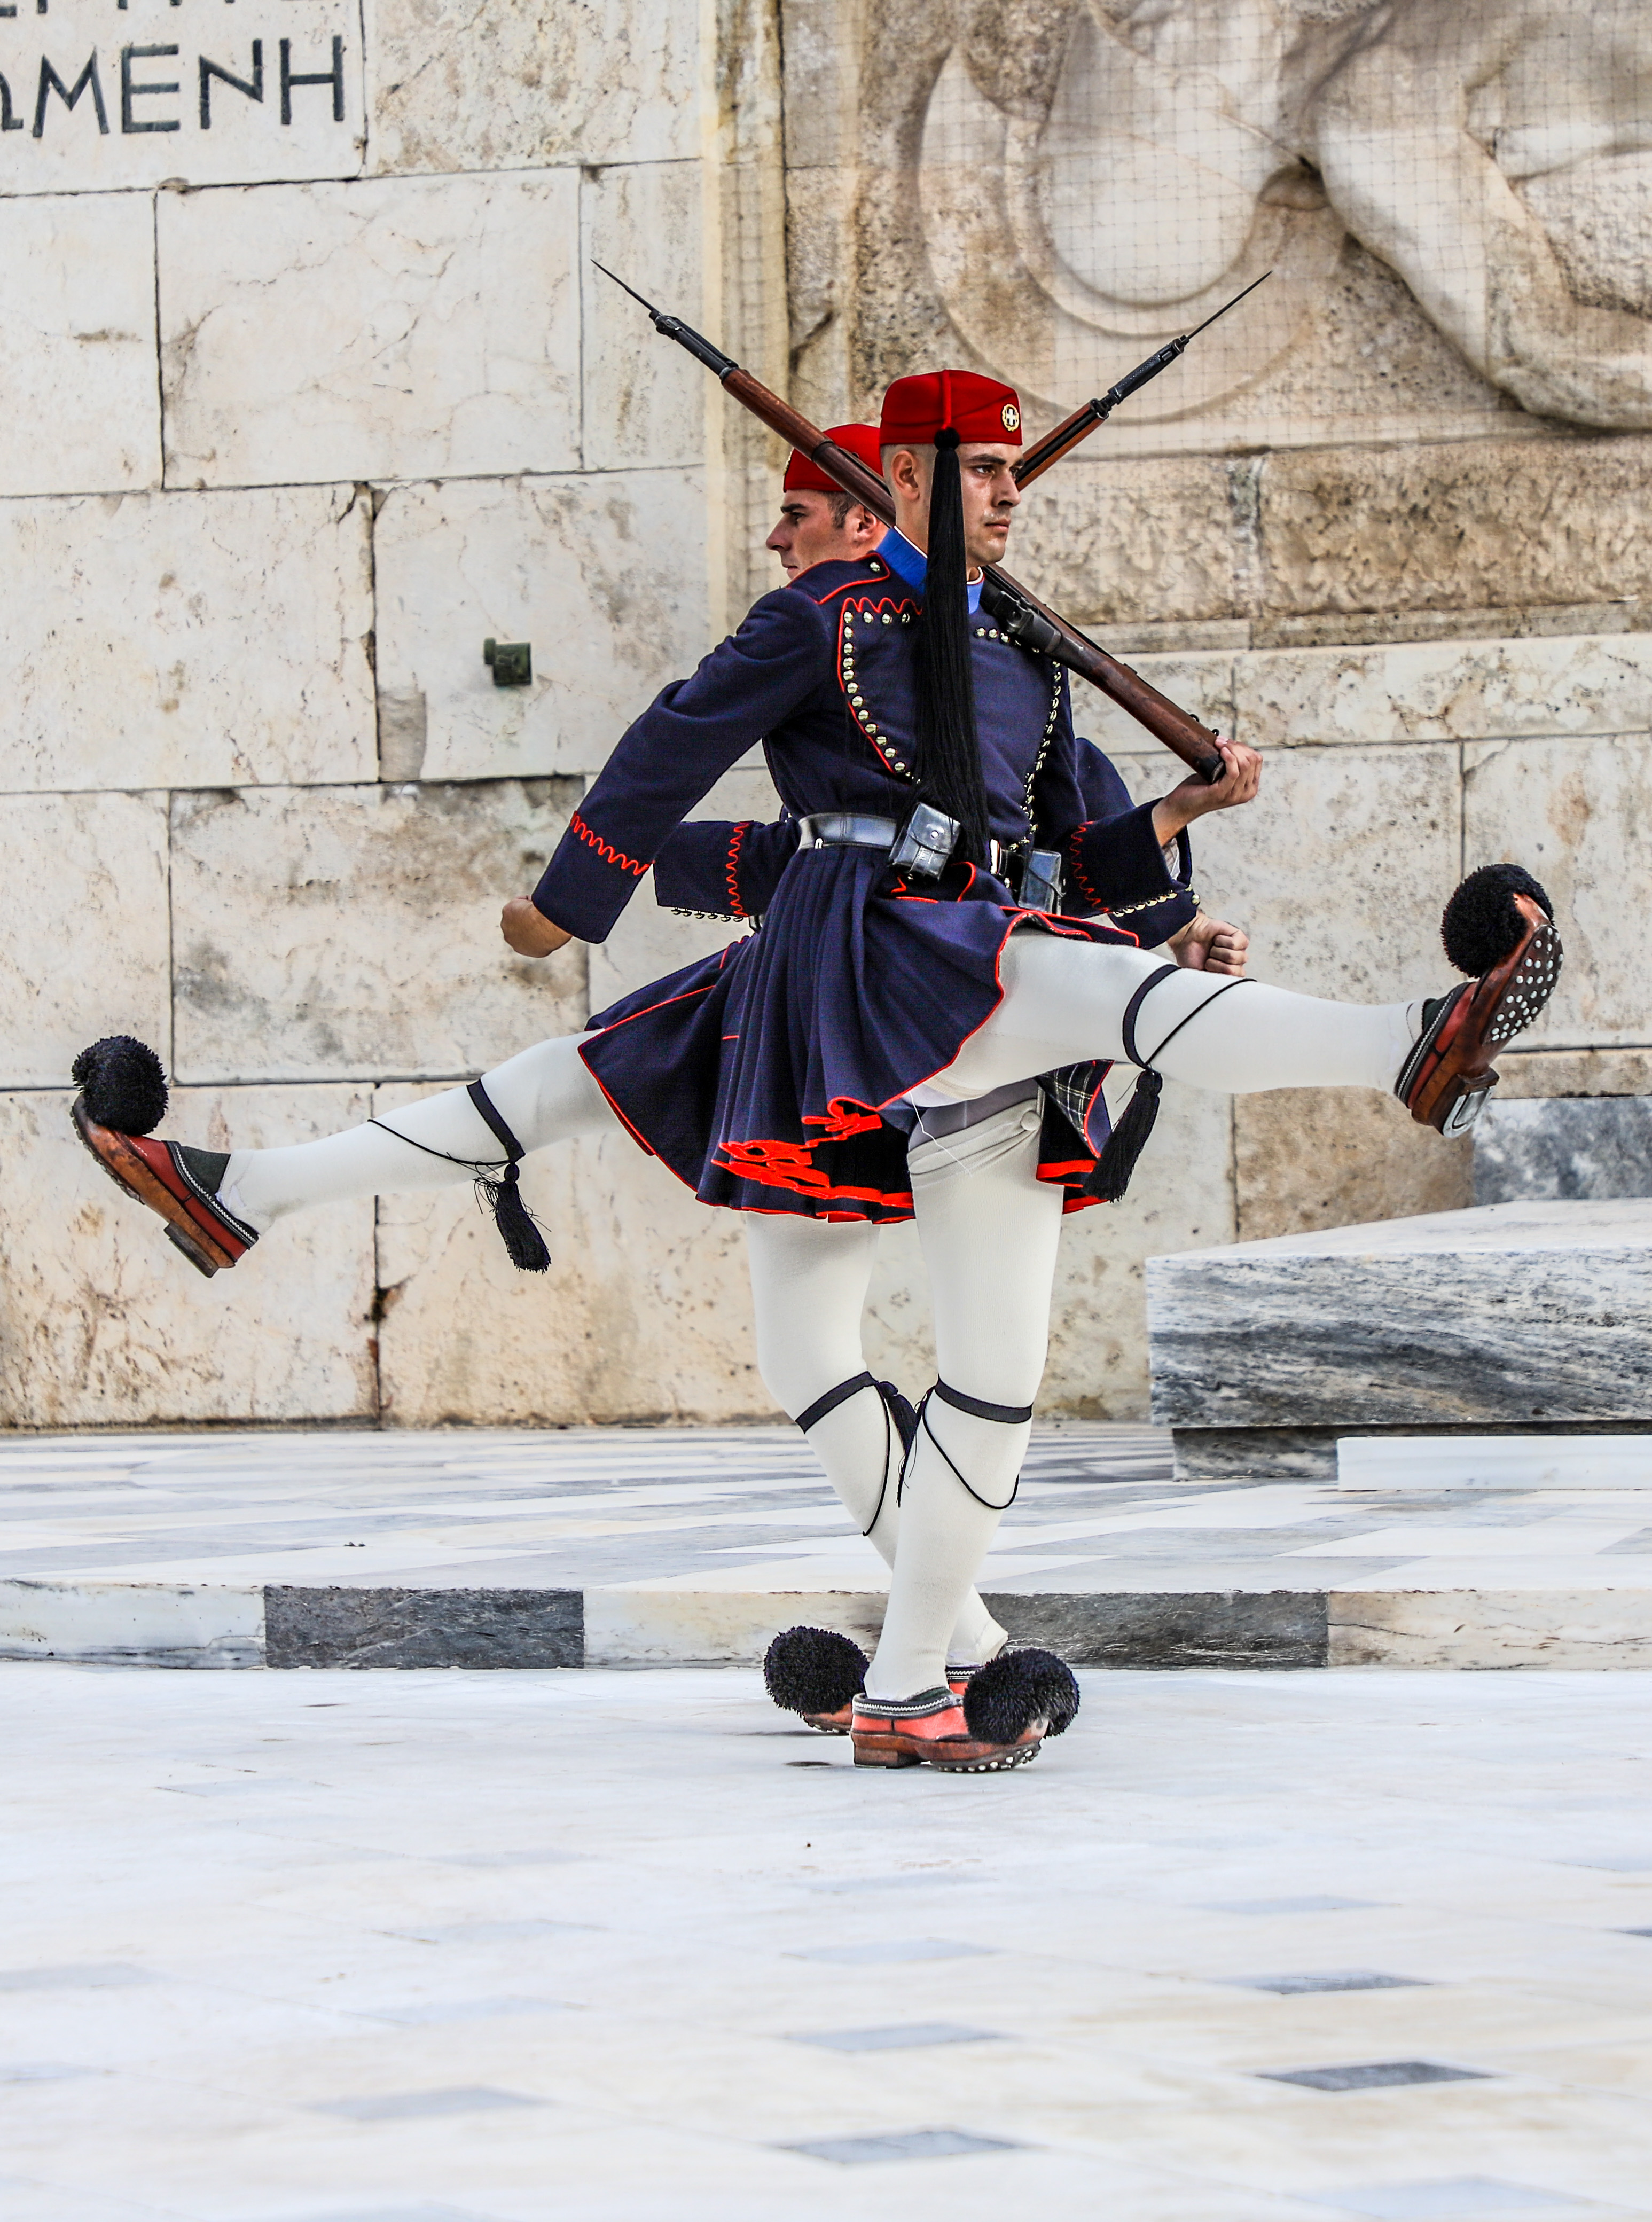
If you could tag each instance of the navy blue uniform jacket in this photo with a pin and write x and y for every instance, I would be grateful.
(760, 1075)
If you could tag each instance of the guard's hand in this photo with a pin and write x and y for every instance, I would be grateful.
(529, 932)
(1210, 944)
(1193, 799)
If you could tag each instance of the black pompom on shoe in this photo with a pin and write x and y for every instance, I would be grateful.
(1017, 1688)
(816, 1672)
(122, 1084)
(1482, 924)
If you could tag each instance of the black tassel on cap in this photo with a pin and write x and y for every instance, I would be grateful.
(502, 1193)
(949, 748)
(1109, 1177)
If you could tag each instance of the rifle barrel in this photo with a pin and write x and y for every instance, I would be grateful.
(1021, 614)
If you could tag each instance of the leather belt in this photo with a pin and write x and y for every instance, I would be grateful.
(1034, 873)
(846, 829)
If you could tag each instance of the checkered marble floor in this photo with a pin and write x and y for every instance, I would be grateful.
(743, 1510)
(613, 1947)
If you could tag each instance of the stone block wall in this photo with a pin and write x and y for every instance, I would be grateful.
(314, 387)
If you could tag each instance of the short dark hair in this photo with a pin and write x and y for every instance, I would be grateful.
(841, 504)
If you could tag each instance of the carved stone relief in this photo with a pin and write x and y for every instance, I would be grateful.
(1454, 198)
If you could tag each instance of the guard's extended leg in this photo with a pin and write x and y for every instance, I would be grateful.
(1065, 1002)
(216, 1203)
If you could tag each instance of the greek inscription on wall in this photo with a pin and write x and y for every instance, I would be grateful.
(97, 94)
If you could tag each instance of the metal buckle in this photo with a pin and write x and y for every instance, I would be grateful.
(1468, 1109)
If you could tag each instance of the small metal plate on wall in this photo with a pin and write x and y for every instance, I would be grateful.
(512, 662)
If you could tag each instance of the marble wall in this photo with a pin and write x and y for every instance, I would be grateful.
(314, 388)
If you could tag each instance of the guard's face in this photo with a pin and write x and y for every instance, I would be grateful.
(990, 494)
(806, 534)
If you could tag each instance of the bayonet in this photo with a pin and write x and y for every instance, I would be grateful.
(1071, 431)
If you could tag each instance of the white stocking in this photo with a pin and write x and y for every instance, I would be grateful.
(546, 1095)
(809, 1279)
(989, 1237)
(1065, 1002)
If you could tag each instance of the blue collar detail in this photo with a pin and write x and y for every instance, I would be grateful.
(907, 563)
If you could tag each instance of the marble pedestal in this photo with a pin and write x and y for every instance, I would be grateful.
(1513, 1317)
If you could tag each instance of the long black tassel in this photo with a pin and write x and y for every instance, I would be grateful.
(949, 748)
(502, 1193)
(1109, 1176)
(523, 1241)
(901, 1411)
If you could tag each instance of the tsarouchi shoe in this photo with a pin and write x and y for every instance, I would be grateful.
(816, 1674)
(123, 1095)
(1497, 928)
(932, 1729)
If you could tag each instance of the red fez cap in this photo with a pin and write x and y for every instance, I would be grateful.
(803, 476)
(976, 408)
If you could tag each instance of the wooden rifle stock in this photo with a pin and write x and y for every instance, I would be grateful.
(1020, 615)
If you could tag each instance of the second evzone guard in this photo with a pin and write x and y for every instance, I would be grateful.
(918, 1028)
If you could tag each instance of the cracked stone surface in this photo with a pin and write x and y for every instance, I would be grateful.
(366, 940)
(85, 947)
(398, 328)
(1579, 814)
(458, 87)
(79, 345)
(99, 1315)
(129, 659)
(603, 576)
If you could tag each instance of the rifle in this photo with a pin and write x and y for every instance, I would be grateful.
(1019, 615)
(1071, 431)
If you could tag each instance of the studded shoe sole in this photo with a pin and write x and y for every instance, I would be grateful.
(1445, 1081)
(149, 1171)
(925, 1735)
(837, 1723)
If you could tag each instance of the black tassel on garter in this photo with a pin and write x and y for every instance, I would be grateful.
(1109, 1177)
(524, 1242)
(502, 1192)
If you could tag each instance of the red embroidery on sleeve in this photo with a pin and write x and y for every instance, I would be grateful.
(1076, 857)
(732, 867)
(608, 853)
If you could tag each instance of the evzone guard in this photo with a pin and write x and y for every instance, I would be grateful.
(955, 942)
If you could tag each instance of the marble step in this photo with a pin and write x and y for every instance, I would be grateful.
(1510, 1318)
(188, 1625)
(1493, 1462)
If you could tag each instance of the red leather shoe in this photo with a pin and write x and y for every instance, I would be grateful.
(176, 1181)
(1446, 1079)
(931, 1730)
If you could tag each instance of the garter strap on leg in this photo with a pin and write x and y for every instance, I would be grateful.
(497, 1186)
(1003, 1415)
(899, 1418)
(1110, 1176)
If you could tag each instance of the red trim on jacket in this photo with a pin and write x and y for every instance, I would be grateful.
(731, 866)
(606, 849)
